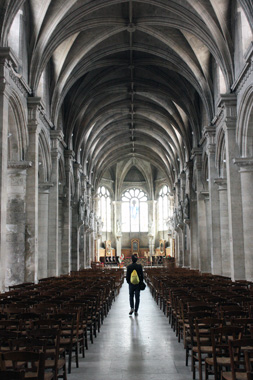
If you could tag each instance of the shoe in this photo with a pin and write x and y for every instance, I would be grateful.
(135, 313)
(131, 311)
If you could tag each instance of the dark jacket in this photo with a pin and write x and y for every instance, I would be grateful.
(138, 269)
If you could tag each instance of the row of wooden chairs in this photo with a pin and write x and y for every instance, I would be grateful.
(208, 313)
(53, 319)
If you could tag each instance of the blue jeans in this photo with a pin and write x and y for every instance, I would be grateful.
(134, 290)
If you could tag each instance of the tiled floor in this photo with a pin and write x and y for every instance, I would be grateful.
(142, 347)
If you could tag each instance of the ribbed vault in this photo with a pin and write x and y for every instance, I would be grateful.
(129, 78)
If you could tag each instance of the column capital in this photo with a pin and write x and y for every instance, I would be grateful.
(196, 152)
(8, 57)
(69, 154)
(245, 163)
(197, 157)
(209, 132)
(45, 187)
(57, 134)
(228, 101)
(221, 182)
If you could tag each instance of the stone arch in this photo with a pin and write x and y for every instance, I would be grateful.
(45, 164)
(17, 130)
(221, 154)
(244, 132)
(205, 172)
(139, 165)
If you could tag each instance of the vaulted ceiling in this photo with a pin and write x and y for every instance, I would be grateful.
(129, 78)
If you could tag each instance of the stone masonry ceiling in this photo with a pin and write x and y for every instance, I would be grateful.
(134, 78)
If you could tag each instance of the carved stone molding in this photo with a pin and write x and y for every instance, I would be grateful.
(21, 165)
(245, 163)
(221, 183)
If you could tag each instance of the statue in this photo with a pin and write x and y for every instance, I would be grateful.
(81, 208)
(118, 227)
(86, 215)
(186, 210)
(151, 228)
(91, 220)
(99, 226)
(180, 213)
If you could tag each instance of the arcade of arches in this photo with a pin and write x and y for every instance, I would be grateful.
(121, 120)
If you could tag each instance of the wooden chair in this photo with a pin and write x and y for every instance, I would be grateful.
(33, 363)
(248, 356)
(203, 348)
(69, 336)
(12, 375)
(237, 359)
(54, 355)
(220, 356)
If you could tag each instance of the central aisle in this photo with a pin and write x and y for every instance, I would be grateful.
(142, 347)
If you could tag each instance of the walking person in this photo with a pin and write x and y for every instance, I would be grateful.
(134, 277)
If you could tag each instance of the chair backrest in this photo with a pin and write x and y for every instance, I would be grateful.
(34, 362)
(248, 356)
(237, 357)
(12, 375)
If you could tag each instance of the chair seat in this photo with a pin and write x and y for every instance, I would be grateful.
(203, 349)
(220, 360)
(49, 363)
(239, 375)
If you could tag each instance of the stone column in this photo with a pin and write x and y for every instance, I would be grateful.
(191, 219)
(53, 251)
(117, 226)
(194, 262)
(44, 189)
(6, 59)
(224, 231)
(214, 210)
(229, 115)
(16, 223)
(76, 220)
(32, 194)
(184, 234)
(67, 214)
(203, 254)
(246, 172)
(206, 262)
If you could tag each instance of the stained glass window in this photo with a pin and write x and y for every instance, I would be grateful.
(105, 208)
(134, 211)
(164, 209)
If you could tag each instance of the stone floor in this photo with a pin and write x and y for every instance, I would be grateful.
(142, 347)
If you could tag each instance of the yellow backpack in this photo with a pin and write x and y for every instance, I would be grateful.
(134, 279)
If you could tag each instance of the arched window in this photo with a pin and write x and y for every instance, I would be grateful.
(134, 211)
(105, 208)
(164, 208)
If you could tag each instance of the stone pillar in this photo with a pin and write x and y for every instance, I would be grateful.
(194, 262)
(224, 231)
(246, 172)
(16, 223)
(44, 189)
(206, 262)
(190, 219)
(203, 253)
(228, 105)
(53, 251)
(67, 214)
(214, 210)
(77, 220)
(32, 194)
(5, 60)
